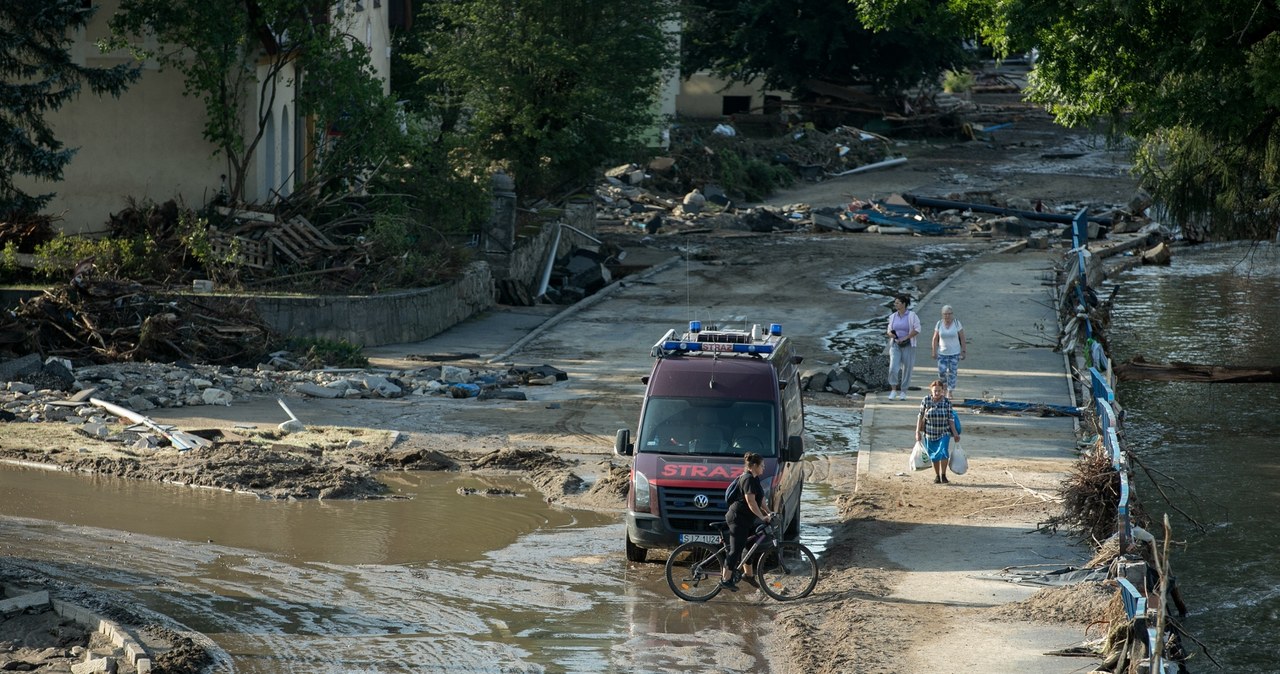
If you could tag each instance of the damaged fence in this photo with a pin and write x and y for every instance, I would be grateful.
(1146, 619)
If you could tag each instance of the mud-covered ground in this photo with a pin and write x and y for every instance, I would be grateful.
(853, 629)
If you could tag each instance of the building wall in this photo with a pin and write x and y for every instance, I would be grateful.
(702, 96)
(146, 144)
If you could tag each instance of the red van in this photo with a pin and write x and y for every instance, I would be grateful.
(713, 395)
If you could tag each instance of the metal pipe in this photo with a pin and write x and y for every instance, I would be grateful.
(551, 260)
(930, 202)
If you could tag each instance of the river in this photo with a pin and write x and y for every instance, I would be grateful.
(1212, 447)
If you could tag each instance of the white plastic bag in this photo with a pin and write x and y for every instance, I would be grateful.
(959, 462)
(919, 458)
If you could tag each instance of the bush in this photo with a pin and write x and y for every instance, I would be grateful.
(137, 257)
(319, 353)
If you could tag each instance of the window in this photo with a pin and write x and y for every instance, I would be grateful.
(733, 105)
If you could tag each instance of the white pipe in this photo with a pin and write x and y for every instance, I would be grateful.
(551, 259)
(871, 167)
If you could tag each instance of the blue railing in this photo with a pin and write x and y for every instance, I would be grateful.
(1104, 397)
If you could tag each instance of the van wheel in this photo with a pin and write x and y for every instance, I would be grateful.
(635, 553)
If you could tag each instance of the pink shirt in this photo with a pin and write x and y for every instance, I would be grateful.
(904, 325)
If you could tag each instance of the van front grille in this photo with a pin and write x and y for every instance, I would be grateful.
(682, 516)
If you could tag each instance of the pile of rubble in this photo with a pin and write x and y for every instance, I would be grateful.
(104, 320)
(33, 391)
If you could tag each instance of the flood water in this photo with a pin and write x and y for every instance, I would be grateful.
(1214, 445)
(439, 582)
(436, 582)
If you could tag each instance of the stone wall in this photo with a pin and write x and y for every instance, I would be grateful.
(385, 318)
(411, 315)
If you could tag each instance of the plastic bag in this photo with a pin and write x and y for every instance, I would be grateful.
(919, 458)
(959, 462)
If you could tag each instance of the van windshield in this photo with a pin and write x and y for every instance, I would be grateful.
(702, 426)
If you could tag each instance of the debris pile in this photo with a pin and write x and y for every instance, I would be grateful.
(103, 320)
(145, 386)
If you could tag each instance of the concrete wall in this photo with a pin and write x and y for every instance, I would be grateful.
(386, 318)
(149, 145)
(146, 144)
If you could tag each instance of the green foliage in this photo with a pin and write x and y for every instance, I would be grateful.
(957, 81)
(137, 257)
(546, 89)
(1194, 83)
(9, 260)
(893, 45)
(37, 76)
(219, 46)
(751, 177)
(319, 353)
(411, 254)
(435, 182)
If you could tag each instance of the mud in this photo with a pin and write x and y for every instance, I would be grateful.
(848, 626)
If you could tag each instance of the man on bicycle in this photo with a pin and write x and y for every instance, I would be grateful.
(744, 515)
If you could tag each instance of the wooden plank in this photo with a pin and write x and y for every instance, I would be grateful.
(310, 230)
(284, 248)
(248, 252)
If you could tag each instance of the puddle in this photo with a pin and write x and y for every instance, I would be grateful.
(862, 337)
(443, 582)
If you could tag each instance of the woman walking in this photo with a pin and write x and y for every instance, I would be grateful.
(903, 327)
(948, 348)
(935, 428)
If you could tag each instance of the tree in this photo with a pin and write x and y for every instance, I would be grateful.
(1196, 85)
(547, 89)
(217, 46)
(787, 44)
(37, 76)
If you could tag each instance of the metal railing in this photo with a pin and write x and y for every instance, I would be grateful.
(1104, 398)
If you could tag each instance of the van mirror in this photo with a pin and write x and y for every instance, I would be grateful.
(622, 443)
(797, 359)
(795, 448)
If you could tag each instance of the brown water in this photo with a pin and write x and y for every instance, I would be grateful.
(442, 582)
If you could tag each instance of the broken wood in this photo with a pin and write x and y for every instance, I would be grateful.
(1138, 368)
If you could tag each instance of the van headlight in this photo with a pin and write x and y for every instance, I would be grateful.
(640, 487)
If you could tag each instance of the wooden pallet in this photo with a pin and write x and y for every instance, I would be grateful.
(241, 250)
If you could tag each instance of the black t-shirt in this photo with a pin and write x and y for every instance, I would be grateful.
(747, 483)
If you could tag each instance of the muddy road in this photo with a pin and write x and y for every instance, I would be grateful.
(513, 566)
(509, 560)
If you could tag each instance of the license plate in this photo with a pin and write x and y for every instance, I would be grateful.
(701, 538)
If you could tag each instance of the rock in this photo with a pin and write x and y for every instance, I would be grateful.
(215, 396)
(694, 202)
(316, 391)
(292, 426)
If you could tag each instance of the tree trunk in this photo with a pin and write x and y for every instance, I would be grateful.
(1138, 368)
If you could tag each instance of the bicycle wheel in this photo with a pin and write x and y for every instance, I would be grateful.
(693, 571)
(788, 571)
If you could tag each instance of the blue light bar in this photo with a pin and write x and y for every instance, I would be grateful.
(695, 326)
(775, 329)
(721, 347)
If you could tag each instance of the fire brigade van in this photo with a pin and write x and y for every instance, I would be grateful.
(713, 396)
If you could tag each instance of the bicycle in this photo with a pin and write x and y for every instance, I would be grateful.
(785, 570)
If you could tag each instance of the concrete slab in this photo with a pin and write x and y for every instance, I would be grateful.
(1004, 303)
